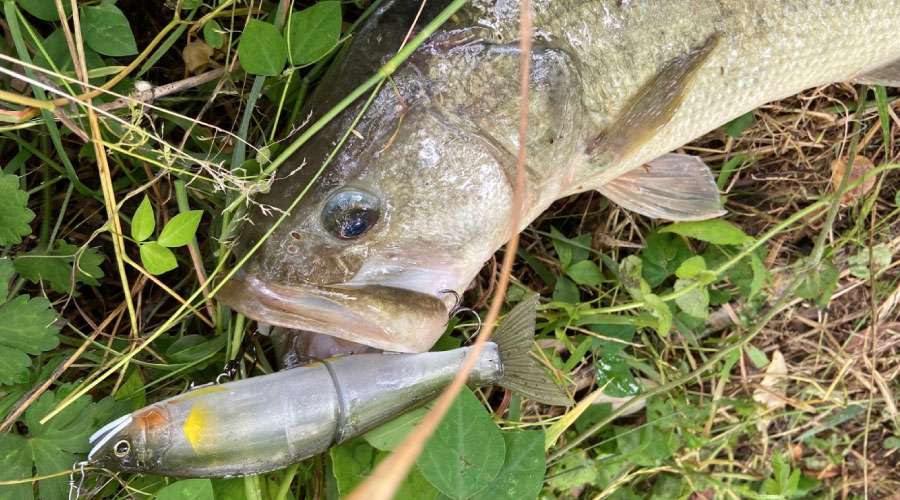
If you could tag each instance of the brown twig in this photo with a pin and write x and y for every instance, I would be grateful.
(163, 90)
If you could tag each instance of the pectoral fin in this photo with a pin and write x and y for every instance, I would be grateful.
(651, 107)
(887, 75)
(673, 186)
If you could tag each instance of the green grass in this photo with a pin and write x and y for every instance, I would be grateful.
(753, 357)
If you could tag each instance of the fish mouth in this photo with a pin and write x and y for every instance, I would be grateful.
(387, 318)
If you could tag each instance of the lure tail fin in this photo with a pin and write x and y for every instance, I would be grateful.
(521, 372)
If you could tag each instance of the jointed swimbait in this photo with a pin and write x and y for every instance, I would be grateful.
(265, 423)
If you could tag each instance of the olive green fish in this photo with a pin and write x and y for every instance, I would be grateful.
(420, 195)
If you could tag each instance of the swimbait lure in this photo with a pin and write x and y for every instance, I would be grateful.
(265, 423)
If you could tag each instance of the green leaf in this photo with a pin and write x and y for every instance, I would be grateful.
(728, 168)
(213, 34)
(6, 273)
(14, 464)
(585, 272)
(880, 259)
(603, 347)
(54, 446)
(133, 390)
(572, 471)
(613, 372)
(143, 222)
(107, 31)
(26, 327)
(181, 229)
(757, 357)
(55, 266)
(760, 274)
(660, 311)
(262, 50)
(663, 255)
(44, 10)
(562, 247)
(156, 258)
(522, 474)
(313, 32)
(466, 451)
(739, 124)
(14, 212)
(694, 302)
(192, 348)
(648, 446)
(631, 274)
(897, 199)
(390, 434)
(354, 460)
(691, 267)
(818, 284)
(580, 247)
(187, 489)
(715, 231)
(891, 443)
(414, 487)
(229, 489)
(566, 291)
(58, 51)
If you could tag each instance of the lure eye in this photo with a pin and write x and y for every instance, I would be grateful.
(122, 448)
(350, 214)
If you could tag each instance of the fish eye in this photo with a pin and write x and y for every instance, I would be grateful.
(122, 448)
(350, 214)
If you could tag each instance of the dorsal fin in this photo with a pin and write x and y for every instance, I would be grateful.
(651, 107)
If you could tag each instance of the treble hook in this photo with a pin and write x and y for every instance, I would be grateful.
(456, 310)
(75, 490)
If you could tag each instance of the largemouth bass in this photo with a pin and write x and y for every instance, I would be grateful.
(419, 197)
(265, 423)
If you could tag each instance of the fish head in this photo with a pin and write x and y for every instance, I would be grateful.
(135, 442)
(409, 207)
(411, 204)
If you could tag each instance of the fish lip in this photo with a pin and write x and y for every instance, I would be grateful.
(306, 308)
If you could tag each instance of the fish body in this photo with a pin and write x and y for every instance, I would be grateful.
(265, 423)
(419, 197)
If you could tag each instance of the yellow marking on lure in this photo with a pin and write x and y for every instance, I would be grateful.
(196, 425)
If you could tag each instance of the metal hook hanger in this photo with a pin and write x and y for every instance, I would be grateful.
(76, 488)
(456, 310)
